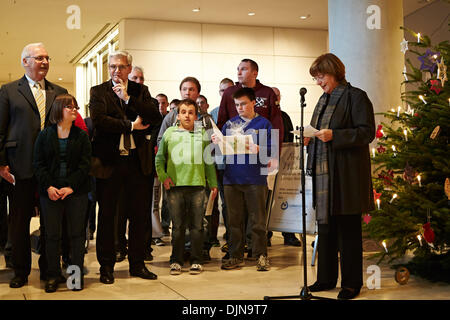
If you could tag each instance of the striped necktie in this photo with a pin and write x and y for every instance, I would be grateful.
(40, 102)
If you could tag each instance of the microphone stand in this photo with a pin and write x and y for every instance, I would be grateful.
(305, 294)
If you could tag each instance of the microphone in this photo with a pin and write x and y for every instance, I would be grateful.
(303, 91)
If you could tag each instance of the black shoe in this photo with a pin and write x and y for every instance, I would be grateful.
(81, 286)
(321, 287)
(348, 293)
(120, 256)
(106, 276)
(292, 241)
(143, 273)
(51, 285)
(166, 231)
(18, 282)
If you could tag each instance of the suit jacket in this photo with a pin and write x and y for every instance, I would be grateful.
(112, 117)
(20, 124)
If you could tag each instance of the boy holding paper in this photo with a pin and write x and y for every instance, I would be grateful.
(183, 171)
(244, 180)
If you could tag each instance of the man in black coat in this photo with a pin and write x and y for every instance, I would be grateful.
(122, 111)
(24, 108)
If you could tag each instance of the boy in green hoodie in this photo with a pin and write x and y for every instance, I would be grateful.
(183, 170)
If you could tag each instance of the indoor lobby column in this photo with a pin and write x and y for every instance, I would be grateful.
(366, 36)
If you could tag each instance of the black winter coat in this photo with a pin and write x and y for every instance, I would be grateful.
(353, 125)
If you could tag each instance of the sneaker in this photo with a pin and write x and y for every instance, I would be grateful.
(232, 263)
(159, 242)
(225, 247)
(196, 269)
(263, 263)
(175, 269)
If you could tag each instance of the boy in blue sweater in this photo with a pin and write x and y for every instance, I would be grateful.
(245, 180)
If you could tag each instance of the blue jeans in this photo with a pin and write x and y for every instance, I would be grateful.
(74, 207)
(186, 206)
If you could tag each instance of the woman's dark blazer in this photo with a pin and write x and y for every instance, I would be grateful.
(46, 161)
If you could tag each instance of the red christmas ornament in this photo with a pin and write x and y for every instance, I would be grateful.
(435, 86)
(379, 133)
(367, 218)
(381, 149)
(387, 177)
(376, 195)
(428, 233)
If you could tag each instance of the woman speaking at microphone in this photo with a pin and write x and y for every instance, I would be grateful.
(339, 161)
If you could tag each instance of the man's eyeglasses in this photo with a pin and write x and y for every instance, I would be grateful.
(120, 66)
(319, 77)
(41, 58)
(72, 107)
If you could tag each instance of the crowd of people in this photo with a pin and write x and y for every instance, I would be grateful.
(131, 152)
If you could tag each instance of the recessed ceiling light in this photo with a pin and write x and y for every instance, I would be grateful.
(305, 17)
(251, 13)
(60, 79)
(196, 10)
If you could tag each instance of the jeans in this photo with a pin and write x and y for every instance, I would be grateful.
(254, 198)
(186, 205)
(74, 208)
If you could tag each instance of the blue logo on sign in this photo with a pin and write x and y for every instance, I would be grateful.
(284, 205)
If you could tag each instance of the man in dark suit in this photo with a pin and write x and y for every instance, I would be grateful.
(122, 112)
(24, 108)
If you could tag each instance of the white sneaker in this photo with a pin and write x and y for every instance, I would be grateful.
(175, 269)
(263, 263)
(196, 268)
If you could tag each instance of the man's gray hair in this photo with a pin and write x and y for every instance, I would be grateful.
(26, 52)
(121, 54)
(138, 68)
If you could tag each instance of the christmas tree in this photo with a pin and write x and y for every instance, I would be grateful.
(411, 162)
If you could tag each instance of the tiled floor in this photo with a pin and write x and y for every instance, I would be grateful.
(284, 278)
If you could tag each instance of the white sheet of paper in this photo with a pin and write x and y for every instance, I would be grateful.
(235, 144)
(308, 132)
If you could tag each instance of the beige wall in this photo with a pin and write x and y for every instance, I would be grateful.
(170, 51)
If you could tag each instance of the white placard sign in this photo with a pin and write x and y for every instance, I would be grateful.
(285, 209)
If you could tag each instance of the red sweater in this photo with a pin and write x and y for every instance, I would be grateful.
(265, 106)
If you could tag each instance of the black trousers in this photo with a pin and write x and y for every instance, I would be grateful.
(23, 197)
(127, 173)
(342, 234)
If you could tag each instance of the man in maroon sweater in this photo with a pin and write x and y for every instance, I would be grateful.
(265, 98)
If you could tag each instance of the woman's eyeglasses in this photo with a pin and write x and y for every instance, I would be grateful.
(72, 107)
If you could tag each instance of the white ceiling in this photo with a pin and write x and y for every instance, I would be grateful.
(26, 21)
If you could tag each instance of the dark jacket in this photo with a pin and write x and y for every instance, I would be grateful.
(111, 118)
(20, 124)
(46, 161)
(353, 126)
